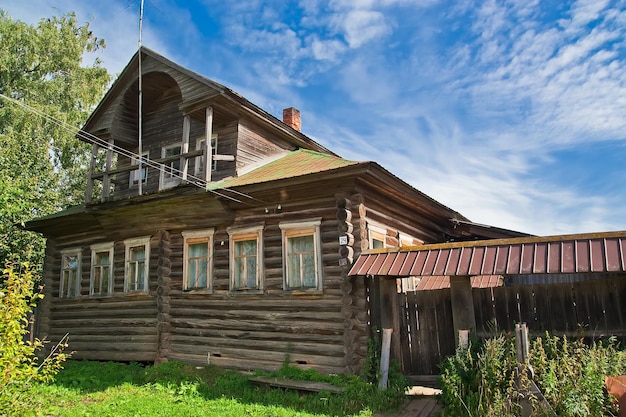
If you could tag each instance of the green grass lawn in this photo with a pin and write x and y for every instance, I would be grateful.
(175, 389)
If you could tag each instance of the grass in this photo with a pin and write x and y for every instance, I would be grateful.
(173, 389)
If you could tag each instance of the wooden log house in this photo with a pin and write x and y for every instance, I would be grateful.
(229, 241)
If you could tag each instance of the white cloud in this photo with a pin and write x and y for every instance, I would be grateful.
(361, 26)
(326, 50)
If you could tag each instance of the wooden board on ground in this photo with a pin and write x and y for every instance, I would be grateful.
(295, 384)
(421, 407)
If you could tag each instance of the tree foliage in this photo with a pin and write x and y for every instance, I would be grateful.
(42, 165)
(19, 366)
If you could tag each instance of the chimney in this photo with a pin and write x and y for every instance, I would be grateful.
(291, 117)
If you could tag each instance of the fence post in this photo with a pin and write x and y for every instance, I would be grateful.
(462, 304)
(384, 359)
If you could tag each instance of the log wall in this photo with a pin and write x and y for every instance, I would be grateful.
(326, 330)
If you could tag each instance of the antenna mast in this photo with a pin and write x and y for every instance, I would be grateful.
(140, 151)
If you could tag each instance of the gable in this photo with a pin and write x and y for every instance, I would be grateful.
(161, 78)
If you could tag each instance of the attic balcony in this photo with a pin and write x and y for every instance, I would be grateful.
(105, 184)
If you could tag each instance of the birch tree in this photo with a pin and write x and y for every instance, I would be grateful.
(42, 165)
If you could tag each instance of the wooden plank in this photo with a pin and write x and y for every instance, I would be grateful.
(296, 384)
(421, 407)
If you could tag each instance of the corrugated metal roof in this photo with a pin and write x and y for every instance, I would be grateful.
(440, 282)
(296, 163)
(584, 253)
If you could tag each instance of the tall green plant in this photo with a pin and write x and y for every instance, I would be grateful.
(19, 365)
(480, 380)
(571, 373)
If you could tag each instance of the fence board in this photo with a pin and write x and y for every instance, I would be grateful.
(591, 308)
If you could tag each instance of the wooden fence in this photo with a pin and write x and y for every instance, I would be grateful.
(592, 309)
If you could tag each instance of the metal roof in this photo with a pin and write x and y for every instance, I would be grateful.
(583, 253)
(440, 282)
(293, 164)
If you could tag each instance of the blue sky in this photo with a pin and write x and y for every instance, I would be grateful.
(511, 112)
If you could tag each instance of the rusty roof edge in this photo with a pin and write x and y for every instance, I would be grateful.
(500, 242)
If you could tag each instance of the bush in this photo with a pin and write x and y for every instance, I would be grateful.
(19, 365)
(480, 380)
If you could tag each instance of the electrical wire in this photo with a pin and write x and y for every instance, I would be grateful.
(93, 139)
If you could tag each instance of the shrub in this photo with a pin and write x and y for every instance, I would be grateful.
(480, 380)
(19, 366)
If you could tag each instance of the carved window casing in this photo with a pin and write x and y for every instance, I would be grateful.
(198, 260)
(302, 261)
(101, 277)
(246, 258)
(69, 287)
(137, 264)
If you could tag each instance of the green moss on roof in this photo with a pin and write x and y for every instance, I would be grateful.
(294, 164)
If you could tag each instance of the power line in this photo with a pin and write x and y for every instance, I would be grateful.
(93, 139)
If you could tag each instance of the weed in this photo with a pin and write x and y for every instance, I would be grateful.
(480, 380)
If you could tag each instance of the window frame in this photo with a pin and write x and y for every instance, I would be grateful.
(199, 165)
(167, 177)
(77, 278)
(95, 249)
(406, 240)
(132, 178)
(376, 232)
(128, 245)
(296, 229)
(195, 237)
(240, 234)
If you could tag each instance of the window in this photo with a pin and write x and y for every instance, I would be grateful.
(377, 236)
(200, 144)
(135, 175)
(137, 260)
(170, 175)
(70, 274)
(246, 263)
(101, 280)
(198, 265)
(407, 240)
(302, 255)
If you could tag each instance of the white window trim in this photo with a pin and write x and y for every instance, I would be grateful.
(198, 163)
(71, 252)
(374, 231)
(136, 173)
(130, 243)
(233, 233)
(313, 224)
(408, 240)
(164, 182)
(101, 247)
(199, 234)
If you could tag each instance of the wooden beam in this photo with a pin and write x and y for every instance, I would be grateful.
(296, 384)
(463, 316)
(384, 359)
(208, 151)
(390, 314)
(184, 161)
(106, 179)
(92, 168)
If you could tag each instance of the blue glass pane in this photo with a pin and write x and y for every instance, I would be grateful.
(191, 274)
(202, 272)
(198, 250)
(239, 272)
(308, 270)
(251, 261)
